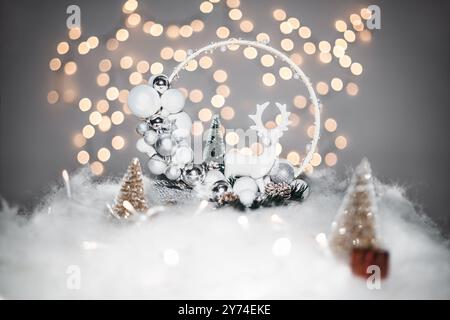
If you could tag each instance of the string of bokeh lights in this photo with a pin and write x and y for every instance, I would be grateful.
(103, 117)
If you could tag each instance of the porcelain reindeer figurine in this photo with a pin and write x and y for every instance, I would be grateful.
(258, 166)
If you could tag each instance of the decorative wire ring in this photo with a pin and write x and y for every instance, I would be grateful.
(310, 148)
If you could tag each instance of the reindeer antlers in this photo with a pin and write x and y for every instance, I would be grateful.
(257, 118)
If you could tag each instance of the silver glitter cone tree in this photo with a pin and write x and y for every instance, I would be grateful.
(132, 190)
(214, 151)
(354, 226)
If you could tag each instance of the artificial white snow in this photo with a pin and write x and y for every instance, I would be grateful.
(70, 249)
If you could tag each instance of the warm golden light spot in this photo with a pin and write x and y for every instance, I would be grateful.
(316, 159)
(337, 84)
(233, 3)
(184, 92)
(112, 44)
(322, 88)
(366, 14)
(349, 36)
(197, 128)
(70, 68)
(340, 142)
(103, 154)
(122, 35)
(285, 27)
(54, 64)
(287, 44)
(345, 61)
(352, 89)
(126, 62)
(217, 101)
(74, 33)
(297, 58)
(324, 46)
(220, 76)
(294, 120)
(196, 96)
(83, 48)
(227, 113)
(205, 62)
(172, 32)
(340, 25)
(186, 31)
(103, 79)
(355, 19)
(300, 102)
(341, 43)
(52, 97)
(267, 60)
(123, 95)
(223, 90)
(330, 125)
(156, 30)
(250, 53)
(309, 48)
(246, 26)
(338, 51)
(133, 20)
(118, 142)
(191, 65)
(130, 6)
(270, 124)
(263, 37)
(88, 131)
(105, 124)
(235, 14)
(325, 57)
(92, 42)
(304, 32)
(166, 53)
(83, 157)
(232, 138)
(85, 104)
(97, 168)
(104, 65)
(294, 22)
(62, 47)
(222, 32)
(112, 93)
(197, 25)
(310, 131)
(157, 68)
(180, 55)
(356, 68)
(143, 66)
(95, 118)
(69, 96)
(285, 73)
(365, 36)
(279, 14)
(135, 78)
(205, 114)
(269, 79)
(102, 106)
(206, 7)
(294, 158)
(147, 26)
(331, 159)
(78, 140)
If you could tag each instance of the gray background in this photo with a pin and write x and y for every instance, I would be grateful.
(399, 120)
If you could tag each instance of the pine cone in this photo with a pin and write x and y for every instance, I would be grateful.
(227, 197)
(278, 190)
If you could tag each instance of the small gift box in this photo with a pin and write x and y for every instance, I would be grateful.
(363, 258)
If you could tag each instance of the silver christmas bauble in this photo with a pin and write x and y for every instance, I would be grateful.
(193, 174)
(150, 137)
(157, 165)
(142, 128)
(160, 82)
(299, 189)
(283, 172)
(173, 172)
(218, 188)
(165, 145)
(157, 121)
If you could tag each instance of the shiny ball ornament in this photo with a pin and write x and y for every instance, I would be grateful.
(165, 145)
(157, 165)
(160, 82)
(213, 176)
(173, 172)
(193, 175)
(283, 172)
(150, 137)
(142, 128)
(299, 189)
(247, 197)
(144, 101)
(173, 100)
(243, 184)
(218, 188)
(143, 147)
(157, 121)
(183, 155)
(183, 123)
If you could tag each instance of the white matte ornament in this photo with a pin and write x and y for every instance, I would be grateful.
(150, 137)
(246, 197)
(157, 165)
(183, 155)
(143, 101)
(183, 122)
(213, 176)
(245, 183)
(173, 100)
(165, 145)
(173, 172)
(143, 147)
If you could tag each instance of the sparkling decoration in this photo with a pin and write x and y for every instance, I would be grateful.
(165, 145)
(142, 127)
(214, 151)
(193, 175)
(282, 172)
(132, 191)
(219, 188)
(156, 121)
(354, 226)
(160, 83)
